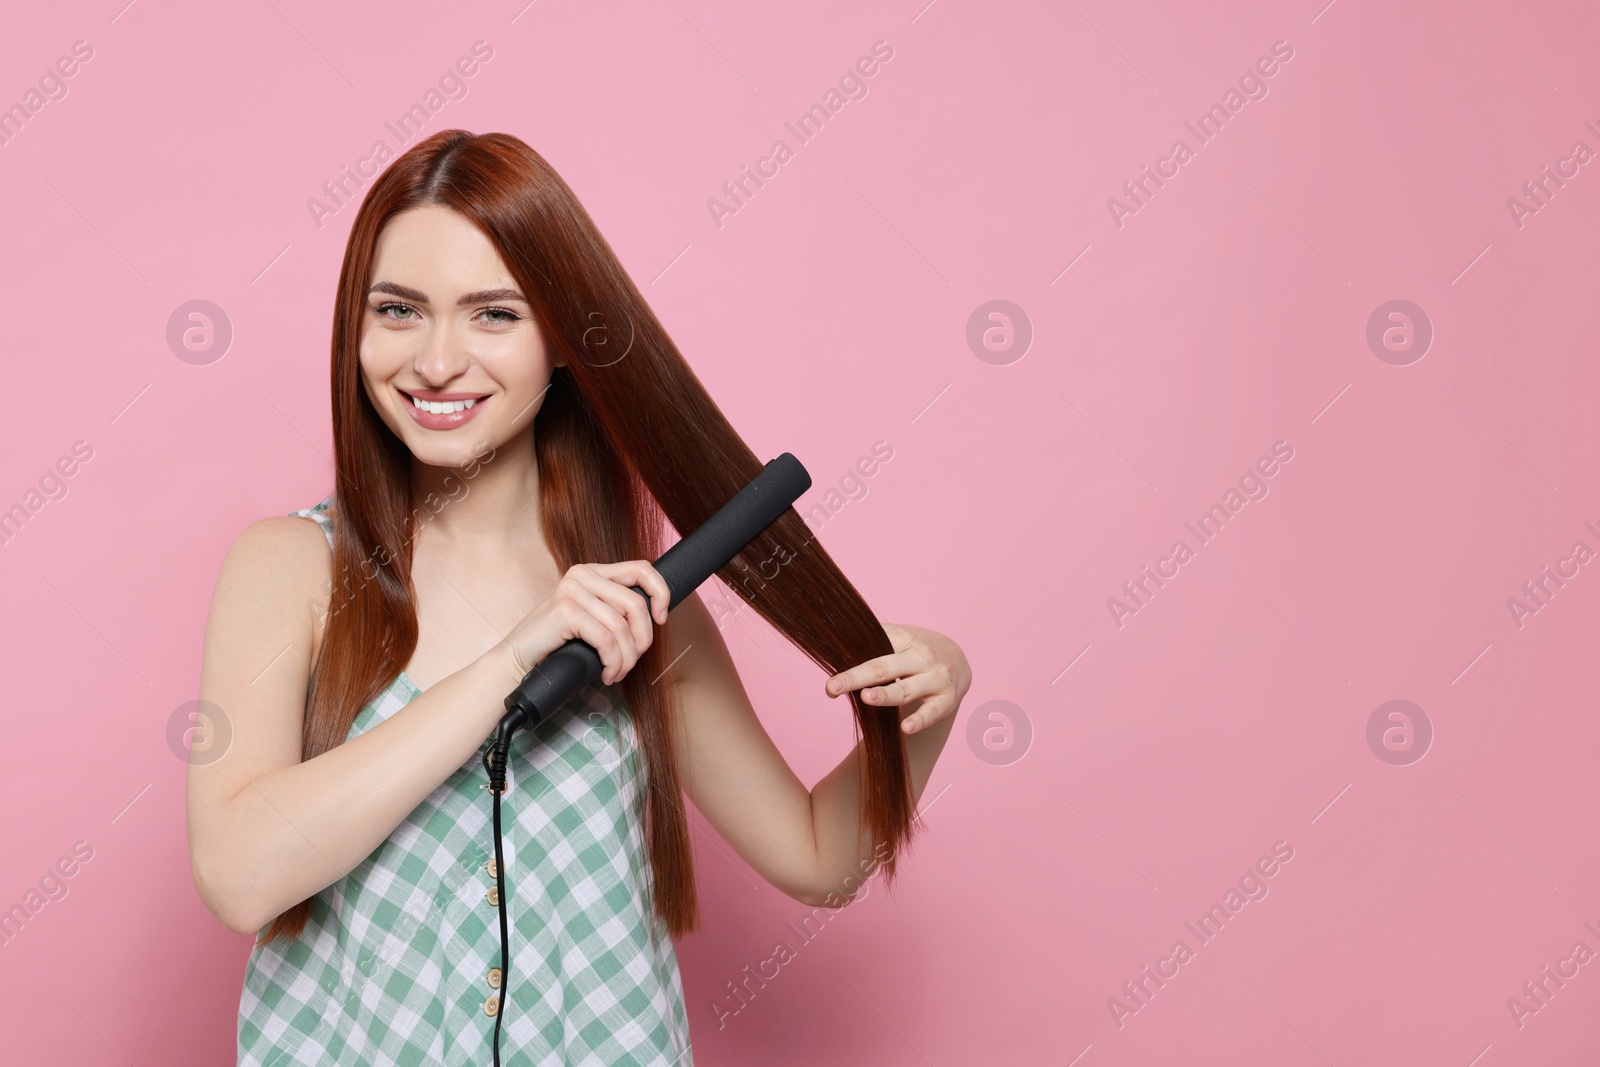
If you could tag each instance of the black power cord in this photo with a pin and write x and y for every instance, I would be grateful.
(494, 761)
(558, 677)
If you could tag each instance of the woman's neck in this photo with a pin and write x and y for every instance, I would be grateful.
(487, 506)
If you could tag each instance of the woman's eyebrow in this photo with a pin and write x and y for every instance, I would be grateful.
(482, 296)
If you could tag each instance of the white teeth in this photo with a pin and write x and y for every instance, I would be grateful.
(443, 407)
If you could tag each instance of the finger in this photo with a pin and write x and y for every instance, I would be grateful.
(904, 640)
(875, 672)
(632, 607)
(581, 624)
(930, 712)
(644, 575)
(911, 722)
(597, 620)
(902, 690)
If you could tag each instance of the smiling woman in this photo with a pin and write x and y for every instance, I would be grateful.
(352, 795)
(410, 350)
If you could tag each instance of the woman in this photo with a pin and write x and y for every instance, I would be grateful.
(511, 425)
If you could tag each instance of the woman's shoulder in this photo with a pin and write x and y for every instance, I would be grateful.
(271, 589)
(294, 551)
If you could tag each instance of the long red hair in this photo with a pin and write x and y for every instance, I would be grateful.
(622, 440)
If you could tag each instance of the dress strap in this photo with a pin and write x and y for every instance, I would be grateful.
(319, 514)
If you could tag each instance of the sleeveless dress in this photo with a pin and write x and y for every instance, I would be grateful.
(398, 964)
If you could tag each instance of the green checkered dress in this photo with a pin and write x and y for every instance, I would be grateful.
(394, 966)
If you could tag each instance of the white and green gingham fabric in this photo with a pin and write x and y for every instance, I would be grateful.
(393, 967)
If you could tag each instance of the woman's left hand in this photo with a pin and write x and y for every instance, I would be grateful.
(926, 677)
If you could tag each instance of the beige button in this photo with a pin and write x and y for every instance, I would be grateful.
(494, 978)
(494, 895)
(491, 1006)
(490, 867)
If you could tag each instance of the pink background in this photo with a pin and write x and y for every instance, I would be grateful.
(1226, 314)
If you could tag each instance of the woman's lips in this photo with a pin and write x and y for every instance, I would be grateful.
(448, 421)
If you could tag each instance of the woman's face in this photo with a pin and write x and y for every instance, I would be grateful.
(445, 324)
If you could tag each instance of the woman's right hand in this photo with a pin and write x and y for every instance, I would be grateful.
(595, 602)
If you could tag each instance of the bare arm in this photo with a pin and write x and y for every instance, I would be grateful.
(802, 841)
(265, 829)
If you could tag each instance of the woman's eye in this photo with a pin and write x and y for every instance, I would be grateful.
(382, 309)
(510, 316)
